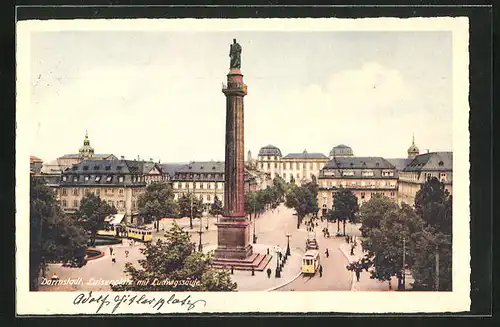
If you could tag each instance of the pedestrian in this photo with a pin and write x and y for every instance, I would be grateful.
(268, 272)
(326, 253)
(113, 258)
(320, 271)
(110, 250)
(347, 239)
(352, 249)
(357, 274)
(54, 277)
(126, 253)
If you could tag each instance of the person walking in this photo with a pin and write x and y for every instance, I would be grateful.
(126, 253)
(268, 271)
(110, 250)
(320, 271)
(327, 253)
(113, 258)
(357, 274)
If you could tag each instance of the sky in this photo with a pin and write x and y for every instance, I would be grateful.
(157, 94)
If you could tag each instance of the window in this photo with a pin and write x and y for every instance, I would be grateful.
(209, 185)
(87, 178)
(108, 167)
(201, 185)
(64, 203)
(216, 185)
(98, 179)
(268, 165)
(75, 191)
(109, 178)
(392, 193)
(85, 167)
(96, 167)
(74, 167)
(64, 178)
(275, 165)
(118, 167)
(75, 203)
(75, 179)
(209, 198)
(366, 173)
(304, 165)
(120, 191)
(120, 179)
(362, 195)
(64, 192)
(98, 192)
(87, 191)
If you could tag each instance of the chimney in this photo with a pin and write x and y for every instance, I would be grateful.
(138, 159)
(427, 150)
(122, 157)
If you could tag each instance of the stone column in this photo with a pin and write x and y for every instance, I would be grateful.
(233, 229)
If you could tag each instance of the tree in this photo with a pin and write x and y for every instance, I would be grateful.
(304, 200)
(175, 259)
(279, 185)
(190, 206)
(346, 206)
(92, 213)
(384, 243)
(157, 202)
(54, 237)
(433, 204)
(372, 212)
(216, 208)
(250, 203)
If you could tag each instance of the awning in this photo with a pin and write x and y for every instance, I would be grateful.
(115, 219)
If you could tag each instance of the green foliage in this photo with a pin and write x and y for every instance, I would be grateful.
(216, 208)
(434, 204)
(303, 199)
(175, 259)
(280, 186)
(92, 213)
(372, 212)
(157, 202)
(426, 231)
(54, 237)
(345, 205)
(188, 202)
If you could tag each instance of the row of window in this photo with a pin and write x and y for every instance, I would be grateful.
(98, 178)
(201, 186)
(202, 197)
(97, 191)
(298, 165)
(198, 176)
(356, 184)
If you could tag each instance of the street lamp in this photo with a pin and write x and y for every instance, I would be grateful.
(200, 246)
(254, 224)
(288, 245)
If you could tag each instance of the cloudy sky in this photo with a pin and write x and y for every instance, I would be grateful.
(158, 94)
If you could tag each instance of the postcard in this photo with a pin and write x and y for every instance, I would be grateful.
(242, 165)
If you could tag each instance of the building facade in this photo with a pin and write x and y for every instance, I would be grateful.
(300, 167)
(423, 166)
(118, 182)
(364, 176)
(206, 181)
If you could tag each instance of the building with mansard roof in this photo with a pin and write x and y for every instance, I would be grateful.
(364, 176)
(422, 167)
(299, 167)
(205, 179)
(119, 182)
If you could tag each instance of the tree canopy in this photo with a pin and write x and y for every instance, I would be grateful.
(424, 232)
(92, 214)
(303, 199)
(54, 237)
(216, 208)
(345, 205)
(157, 202)
(175, 259)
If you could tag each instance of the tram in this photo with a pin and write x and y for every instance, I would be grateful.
(140, 233)
(310, 262)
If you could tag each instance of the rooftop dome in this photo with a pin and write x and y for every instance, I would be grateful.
(413, 149)
(269, 150)
(341, 150)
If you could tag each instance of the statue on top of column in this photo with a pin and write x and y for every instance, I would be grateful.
(235, 55)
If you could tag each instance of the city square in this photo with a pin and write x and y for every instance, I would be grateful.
(371, 217)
